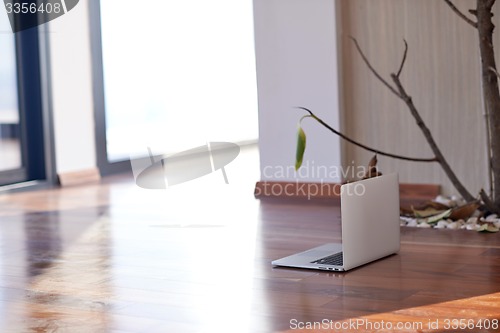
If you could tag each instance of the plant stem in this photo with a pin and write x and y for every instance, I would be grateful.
(373, 150)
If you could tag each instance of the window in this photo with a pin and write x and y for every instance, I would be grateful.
(10, 140)
(175, 75)
(25, 129)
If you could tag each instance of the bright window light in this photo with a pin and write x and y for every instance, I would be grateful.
(177, 74)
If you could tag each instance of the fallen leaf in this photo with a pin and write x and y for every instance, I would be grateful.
(438, 217)
(488, 227)
(406, 211)
(427, 212)
(465, 211)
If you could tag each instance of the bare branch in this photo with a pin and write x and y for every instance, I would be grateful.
(486, 115)
(489, 4)
(381, 79)
(404, 59)
(373, 150)
(490, 91)
(487, 201)
(459, 13)
(430, 140)
(402, 94)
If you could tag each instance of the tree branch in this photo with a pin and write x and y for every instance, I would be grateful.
(430, 140)
(373, 150)
(403, 95)
(487, 201)
(486, 115)
(404, 59)
(377, 75)
(459, 13)
(490, 91)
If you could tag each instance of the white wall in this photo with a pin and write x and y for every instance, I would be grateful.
(296, 59)
(72, 99)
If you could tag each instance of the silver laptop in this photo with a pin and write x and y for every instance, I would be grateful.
(370, 228)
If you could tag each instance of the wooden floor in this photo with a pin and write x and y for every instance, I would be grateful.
(112, 257)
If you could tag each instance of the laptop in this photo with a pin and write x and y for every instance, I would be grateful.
(370, 228)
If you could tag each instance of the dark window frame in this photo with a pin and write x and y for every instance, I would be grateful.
(105, 166)
(35, 114)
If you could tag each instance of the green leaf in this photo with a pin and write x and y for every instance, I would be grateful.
(438, 217)
(487, 227)
(428, 212)
(301, 147)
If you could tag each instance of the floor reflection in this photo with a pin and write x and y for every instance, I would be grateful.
(73, 294)
(55, 272)
(43, 241)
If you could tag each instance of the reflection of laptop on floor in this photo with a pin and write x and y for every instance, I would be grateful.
(370, 228)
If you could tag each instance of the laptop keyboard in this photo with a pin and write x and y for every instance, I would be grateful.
(336, 259)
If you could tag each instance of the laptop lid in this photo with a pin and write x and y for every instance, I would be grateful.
(370, 219)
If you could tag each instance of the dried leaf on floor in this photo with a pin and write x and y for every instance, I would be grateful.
(488, 227)
(430, 211)
(465, 211)
(438, 217)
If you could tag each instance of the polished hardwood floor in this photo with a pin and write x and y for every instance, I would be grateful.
(112, 257)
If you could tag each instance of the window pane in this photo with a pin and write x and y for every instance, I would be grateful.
(177, 74)
(10, 148)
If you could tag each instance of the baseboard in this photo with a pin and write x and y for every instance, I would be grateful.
(79, 177)
(268, 189)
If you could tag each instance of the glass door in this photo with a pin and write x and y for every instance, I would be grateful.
(11, 157)
(26, 139)
(174, 79)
